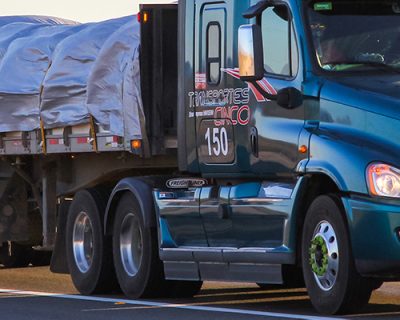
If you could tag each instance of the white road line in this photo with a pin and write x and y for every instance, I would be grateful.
(13, 296)
(168, 305)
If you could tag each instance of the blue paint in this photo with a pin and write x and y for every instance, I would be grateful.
(346, 121)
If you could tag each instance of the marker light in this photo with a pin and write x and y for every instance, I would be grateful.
(303, 149)
(136, 144)
(143, 17)
(383, 180)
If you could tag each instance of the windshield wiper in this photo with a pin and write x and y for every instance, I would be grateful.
(374, 64)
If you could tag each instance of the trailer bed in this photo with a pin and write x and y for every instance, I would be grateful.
(83, 88)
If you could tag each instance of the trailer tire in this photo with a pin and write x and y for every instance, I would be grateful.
(333, 284)
(137, 265)
(89, 252)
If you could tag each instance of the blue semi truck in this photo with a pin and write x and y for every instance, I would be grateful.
(266, 149)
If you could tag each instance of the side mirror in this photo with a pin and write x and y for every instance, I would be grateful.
(289, 98)
(251, 64)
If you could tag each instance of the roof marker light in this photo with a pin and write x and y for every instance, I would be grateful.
(143, 17)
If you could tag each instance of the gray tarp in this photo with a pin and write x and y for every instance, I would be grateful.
(35, 19)
(61, 73)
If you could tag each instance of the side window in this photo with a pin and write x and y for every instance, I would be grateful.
(279, 42)
(213, 53)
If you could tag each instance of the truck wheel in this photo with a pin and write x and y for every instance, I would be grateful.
(138, 268)
(89, 252)
(14, 255)
(137, 264)
(333, 284)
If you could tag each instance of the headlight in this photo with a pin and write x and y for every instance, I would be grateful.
(383, 180)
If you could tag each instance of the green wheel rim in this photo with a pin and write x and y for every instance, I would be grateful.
(324, 255)
(318, 245)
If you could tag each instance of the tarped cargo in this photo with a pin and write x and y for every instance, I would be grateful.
(61, 73)
(35, 19)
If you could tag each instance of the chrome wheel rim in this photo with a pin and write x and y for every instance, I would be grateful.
(82, 242)
(324, 256)
(131, 244)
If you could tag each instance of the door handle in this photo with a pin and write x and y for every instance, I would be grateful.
(254, 141)
(224, 211)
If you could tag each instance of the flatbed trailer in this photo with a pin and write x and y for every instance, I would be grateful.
(51, 163)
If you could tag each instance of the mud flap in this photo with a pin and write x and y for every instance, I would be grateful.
(59, 258)
(14, 211)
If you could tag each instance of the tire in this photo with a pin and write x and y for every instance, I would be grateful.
(89, 257)
(14, 255)
(333, 284)
(139, 270)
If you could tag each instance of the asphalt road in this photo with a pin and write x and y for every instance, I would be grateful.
(35, 293)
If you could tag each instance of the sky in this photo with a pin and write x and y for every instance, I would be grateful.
(77, 10)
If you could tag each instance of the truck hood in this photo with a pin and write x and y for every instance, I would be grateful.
(359, 123)
(379, 94)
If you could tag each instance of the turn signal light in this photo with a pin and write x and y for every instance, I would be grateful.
(303, 149)
(136, 144)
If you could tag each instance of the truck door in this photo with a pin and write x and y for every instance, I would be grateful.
(244, 216)
(276, 128)
(217, 104)
(274, 131)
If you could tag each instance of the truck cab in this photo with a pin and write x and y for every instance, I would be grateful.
(289, 111)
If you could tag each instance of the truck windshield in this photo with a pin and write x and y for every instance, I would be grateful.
(356, 35)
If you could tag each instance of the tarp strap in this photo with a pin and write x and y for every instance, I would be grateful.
(93, 136)
(43, 134)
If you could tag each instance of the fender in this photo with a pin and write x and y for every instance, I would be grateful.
(342, 154)
(355, 128)
(142, 190)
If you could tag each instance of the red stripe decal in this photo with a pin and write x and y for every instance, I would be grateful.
(232, 73)
(257, 94)
(271, 88)
(235, 71)
(264, 86)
